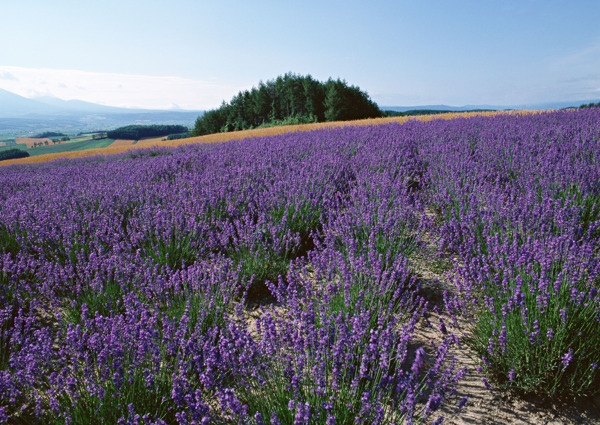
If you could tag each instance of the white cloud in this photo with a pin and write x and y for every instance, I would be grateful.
(124, 90)
(7, 76)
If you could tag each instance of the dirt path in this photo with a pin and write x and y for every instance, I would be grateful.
(485, 406)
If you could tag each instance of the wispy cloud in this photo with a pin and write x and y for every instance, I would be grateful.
(5, 75)
(574, 74)
(584, 79)
(585, 56)
(139, 91)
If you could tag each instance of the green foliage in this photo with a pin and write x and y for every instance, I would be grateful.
(555, 349)
(103, 298)
(135, 132)
(591, 105)
(8, 143)
(343, 103)
(48, 134)
(259, 266)
(9, 241)
(179, 136)
(134, 392)
(174, 251)
(393, 113)
(290, 121)
(288, 99)
(13, 154)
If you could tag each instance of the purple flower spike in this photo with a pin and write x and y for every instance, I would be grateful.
(418, 362)
(566, 359)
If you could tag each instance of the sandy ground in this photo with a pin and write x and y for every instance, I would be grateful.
(485, 406)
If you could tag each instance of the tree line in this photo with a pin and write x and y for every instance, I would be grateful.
(48, 141)
(13, 154)
(289, 98)
(48, 134)
(591, 105)
(136, 132)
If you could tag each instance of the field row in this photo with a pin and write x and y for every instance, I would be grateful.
(272, 280)
(110, 148)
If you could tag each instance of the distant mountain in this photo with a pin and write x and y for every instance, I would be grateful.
(547, 105)
(78, 106)
(438, 108)
(12, 106)
(442, 108)
(558, 105)
(21, 116)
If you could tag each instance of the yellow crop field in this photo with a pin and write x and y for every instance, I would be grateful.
(151, 140)
(269, 131)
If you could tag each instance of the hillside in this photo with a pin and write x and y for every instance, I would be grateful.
(158, 143)
(396, 273)
(13, 105)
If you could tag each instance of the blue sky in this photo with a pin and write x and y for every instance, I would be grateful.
(195, 54)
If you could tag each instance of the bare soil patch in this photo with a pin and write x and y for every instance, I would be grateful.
(484, 406)
(29, 141)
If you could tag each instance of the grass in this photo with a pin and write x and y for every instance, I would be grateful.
(71, 147)
(15, 146)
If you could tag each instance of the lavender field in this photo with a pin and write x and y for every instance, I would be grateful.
(274, 280)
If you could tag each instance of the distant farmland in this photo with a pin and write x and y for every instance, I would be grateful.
(55, 150)
(30, 142)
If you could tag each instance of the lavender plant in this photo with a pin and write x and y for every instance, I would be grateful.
(123, 280)
(521, 212)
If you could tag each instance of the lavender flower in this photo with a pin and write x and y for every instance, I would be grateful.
(143, 265)
(566, 359)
